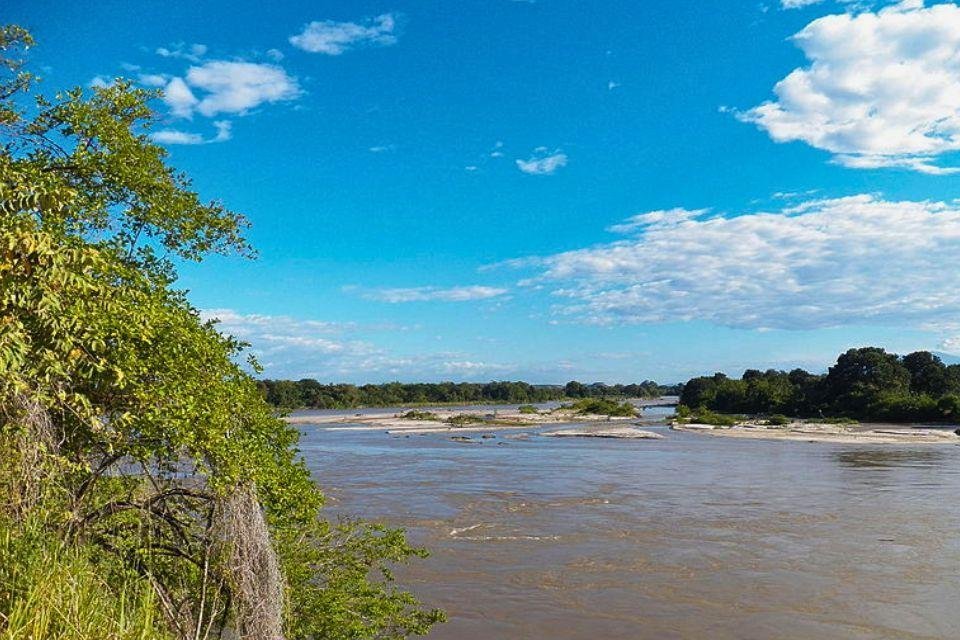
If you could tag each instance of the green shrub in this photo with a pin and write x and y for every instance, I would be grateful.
(466, 418)
(778, 420)
(705, 416)
(419, 415)
(840, 421)
(527, 409)
(603, 407)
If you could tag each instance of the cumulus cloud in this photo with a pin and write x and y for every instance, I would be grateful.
(823, 263)
(541, 162)
(289, 347)
(882, 88)
(661, 218)
(229, 87)
(334, 38)
(427, 294)
(224, 131)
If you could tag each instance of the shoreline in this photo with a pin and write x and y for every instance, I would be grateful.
(866, 433)
(394, 423)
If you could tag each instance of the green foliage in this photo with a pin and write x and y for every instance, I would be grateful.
(291, 394)
(603, 407)
(125, 423)
(778, 420)
(864, 384)
(705, 416)
(528, 409)
(419, 415)
(462, 419)
(57, 591)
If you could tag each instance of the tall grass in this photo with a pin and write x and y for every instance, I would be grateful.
(51, 590)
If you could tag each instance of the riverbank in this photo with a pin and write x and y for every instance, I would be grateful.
(823, 432)
(442, 420)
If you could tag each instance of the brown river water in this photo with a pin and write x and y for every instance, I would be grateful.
(692, 536)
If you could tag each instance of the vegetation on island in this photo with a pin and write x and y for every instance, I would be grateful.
(307, 393)
(865, 384)
(146, 489)
(603, 407)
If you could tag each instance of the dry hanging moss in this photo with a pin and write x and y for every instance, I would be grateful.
(251, 565)
(29, 439)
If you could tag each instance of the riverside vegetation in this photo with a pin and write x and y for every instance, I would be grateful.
(307, 393)
(146, 488)
(865, 384)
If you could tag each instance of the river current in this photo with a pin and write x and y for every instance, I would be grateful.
(692, 536)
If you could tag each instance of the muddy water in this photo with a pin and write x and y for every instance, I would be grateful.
(686, 537)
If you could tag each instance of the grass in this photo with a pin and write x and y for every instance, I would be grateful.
(527, 409)
(840, 421)
(56, 591)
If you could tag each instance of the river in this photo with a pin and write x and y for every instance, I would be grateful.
(691, 536)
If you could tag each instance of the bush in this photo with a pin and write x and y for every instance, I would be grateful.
(466, 418)
(840, 421)
(778, 420)
(602, 407)
(528, 409)
(705, 416)
(419, 415)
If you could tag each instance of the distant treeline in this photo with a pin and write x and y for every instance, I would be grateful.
(864, 384)
(312, 394)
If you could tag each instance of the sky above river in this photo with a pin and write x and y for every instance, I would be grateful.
(550, 189)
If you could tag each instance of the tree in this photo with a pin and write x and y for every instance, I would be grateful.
(861, 376)
(127, 426)
(928, 374)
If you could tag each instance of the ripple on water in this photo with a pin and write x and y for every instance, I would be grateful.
(694, 537)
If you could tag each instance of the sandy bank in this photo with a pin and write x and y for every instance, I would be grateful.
(486, 421)
(624, 432)
(820, 432)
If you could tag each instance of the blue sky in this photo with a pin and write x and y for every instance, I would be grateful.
(549, 190)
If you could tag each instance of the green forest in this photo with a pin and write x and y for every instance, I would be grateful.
(865, 384)
(147, 490)
(307, 393)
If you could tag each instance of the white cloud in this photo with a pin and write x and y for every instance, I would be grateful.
(824, 263)
(796, 4)
(289, 347)
(153, 79)
(660, 218)
(100, 82)
(882, 88)
(275, 54)
(425, 294)
(333, 38)
(179, 98)
(542, 162)
(233, 87)
(193, 52)
(224, 130)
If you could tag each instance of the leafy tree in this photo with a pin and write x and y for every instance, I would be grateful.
(126, 426)
(928, 374)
